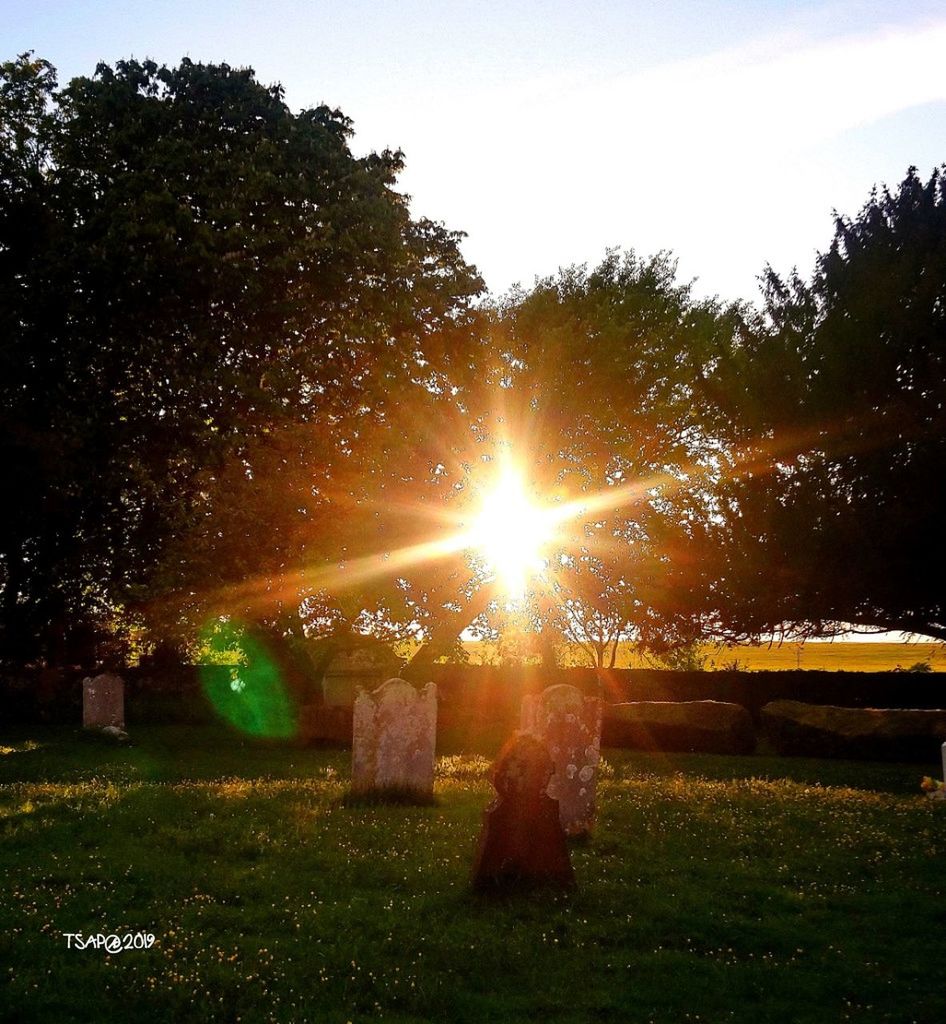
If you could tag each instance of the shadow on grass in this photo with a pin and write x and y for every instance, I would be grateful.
(99, 738)
(514, 889)
(387, 796)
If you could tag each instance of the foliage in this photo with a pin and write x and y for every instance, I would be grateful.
(187, 269)
(239, 382)
(599, 409)
(686, 658)
(918, 666)
(835, 405)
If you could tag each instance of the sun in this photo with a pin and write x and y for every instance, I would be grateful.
(510, 533)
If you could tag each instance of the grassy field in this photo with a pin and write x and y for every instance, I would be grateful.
(715, 889)
(828, 656)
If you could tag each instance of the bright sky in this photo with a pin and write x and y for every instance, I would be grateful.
(724, 130)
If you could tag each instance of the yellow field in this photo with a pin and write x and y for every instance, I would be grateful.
(838, 655)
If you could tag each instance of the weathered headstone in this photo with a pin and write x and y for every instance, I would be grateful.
(363, 667)
(103, 702)
(394, 735)
(569, 723)
(522, 842)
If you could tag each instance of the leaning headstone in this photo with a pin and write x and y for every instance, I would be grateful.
(522, 842)
(569, 724)
(394, 735)
(103, 702)
(364, 667)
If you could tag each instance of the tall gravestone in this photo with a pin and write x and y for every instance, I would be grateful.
(103, 702)
(394, 736)
(569, 724)
(522, 843)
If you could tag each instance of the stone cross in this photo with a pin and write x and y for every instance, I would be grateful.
(569, 724)
(394, 735)
(103, 702)
(522, 843)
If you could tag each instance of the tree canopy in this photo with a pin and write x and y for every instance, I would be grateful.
(239, 380)
(603, 411)
(835, 407)
(185, 266)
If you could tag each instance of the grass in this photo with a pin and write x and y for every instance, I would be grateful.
(714, 889)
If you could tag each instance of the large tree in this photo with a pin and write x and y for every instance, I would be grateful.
(601, 411)
(832, 505)
(186, 267)
(583, 386)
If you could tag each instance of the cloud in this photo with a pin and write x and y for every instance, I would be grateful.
(788, 95)
(721, 158)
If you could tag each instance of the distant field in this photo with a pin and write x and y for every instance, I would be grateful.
(836, 656)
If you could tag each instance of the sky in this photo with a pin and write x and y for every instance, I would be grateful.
(725, 131)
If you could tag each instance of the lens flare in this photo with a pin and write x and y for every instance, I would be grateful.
(511, 533)
(250, 695)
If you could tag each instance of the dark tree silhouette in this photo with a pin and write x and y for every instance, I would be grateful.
(836, 412)
(185, 266)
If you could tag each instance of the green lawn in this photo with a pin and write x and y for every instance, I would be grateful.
(715, 889)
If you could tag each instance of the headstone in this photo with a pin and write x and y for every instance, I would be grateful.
(394, 735)
(363, 667)
(569, 724)
(522, 842)
(103, 702)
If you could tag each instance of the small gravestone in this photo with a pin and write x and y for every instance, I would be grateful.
(394, 735)
(522, 842)
(103, 702)
(356, 668)
(569, 724)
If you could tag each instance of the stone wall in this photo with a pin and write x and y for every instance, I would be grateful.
(479, 703)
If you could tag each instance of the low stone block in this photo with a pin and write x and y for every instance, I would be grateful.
(696, 726)
(359, 668)
(876, 734)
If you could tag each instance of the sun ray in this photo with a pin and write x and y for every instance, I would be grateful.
(512, 552)
(511, 533)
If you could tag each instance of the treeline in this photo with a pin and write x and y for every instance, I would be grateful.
(241, 383)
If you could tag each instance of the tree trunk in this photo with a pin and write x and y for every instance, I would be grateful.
(448, 632)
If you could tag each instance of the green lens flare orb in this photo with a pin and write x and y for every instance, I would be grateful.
(251, 695)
